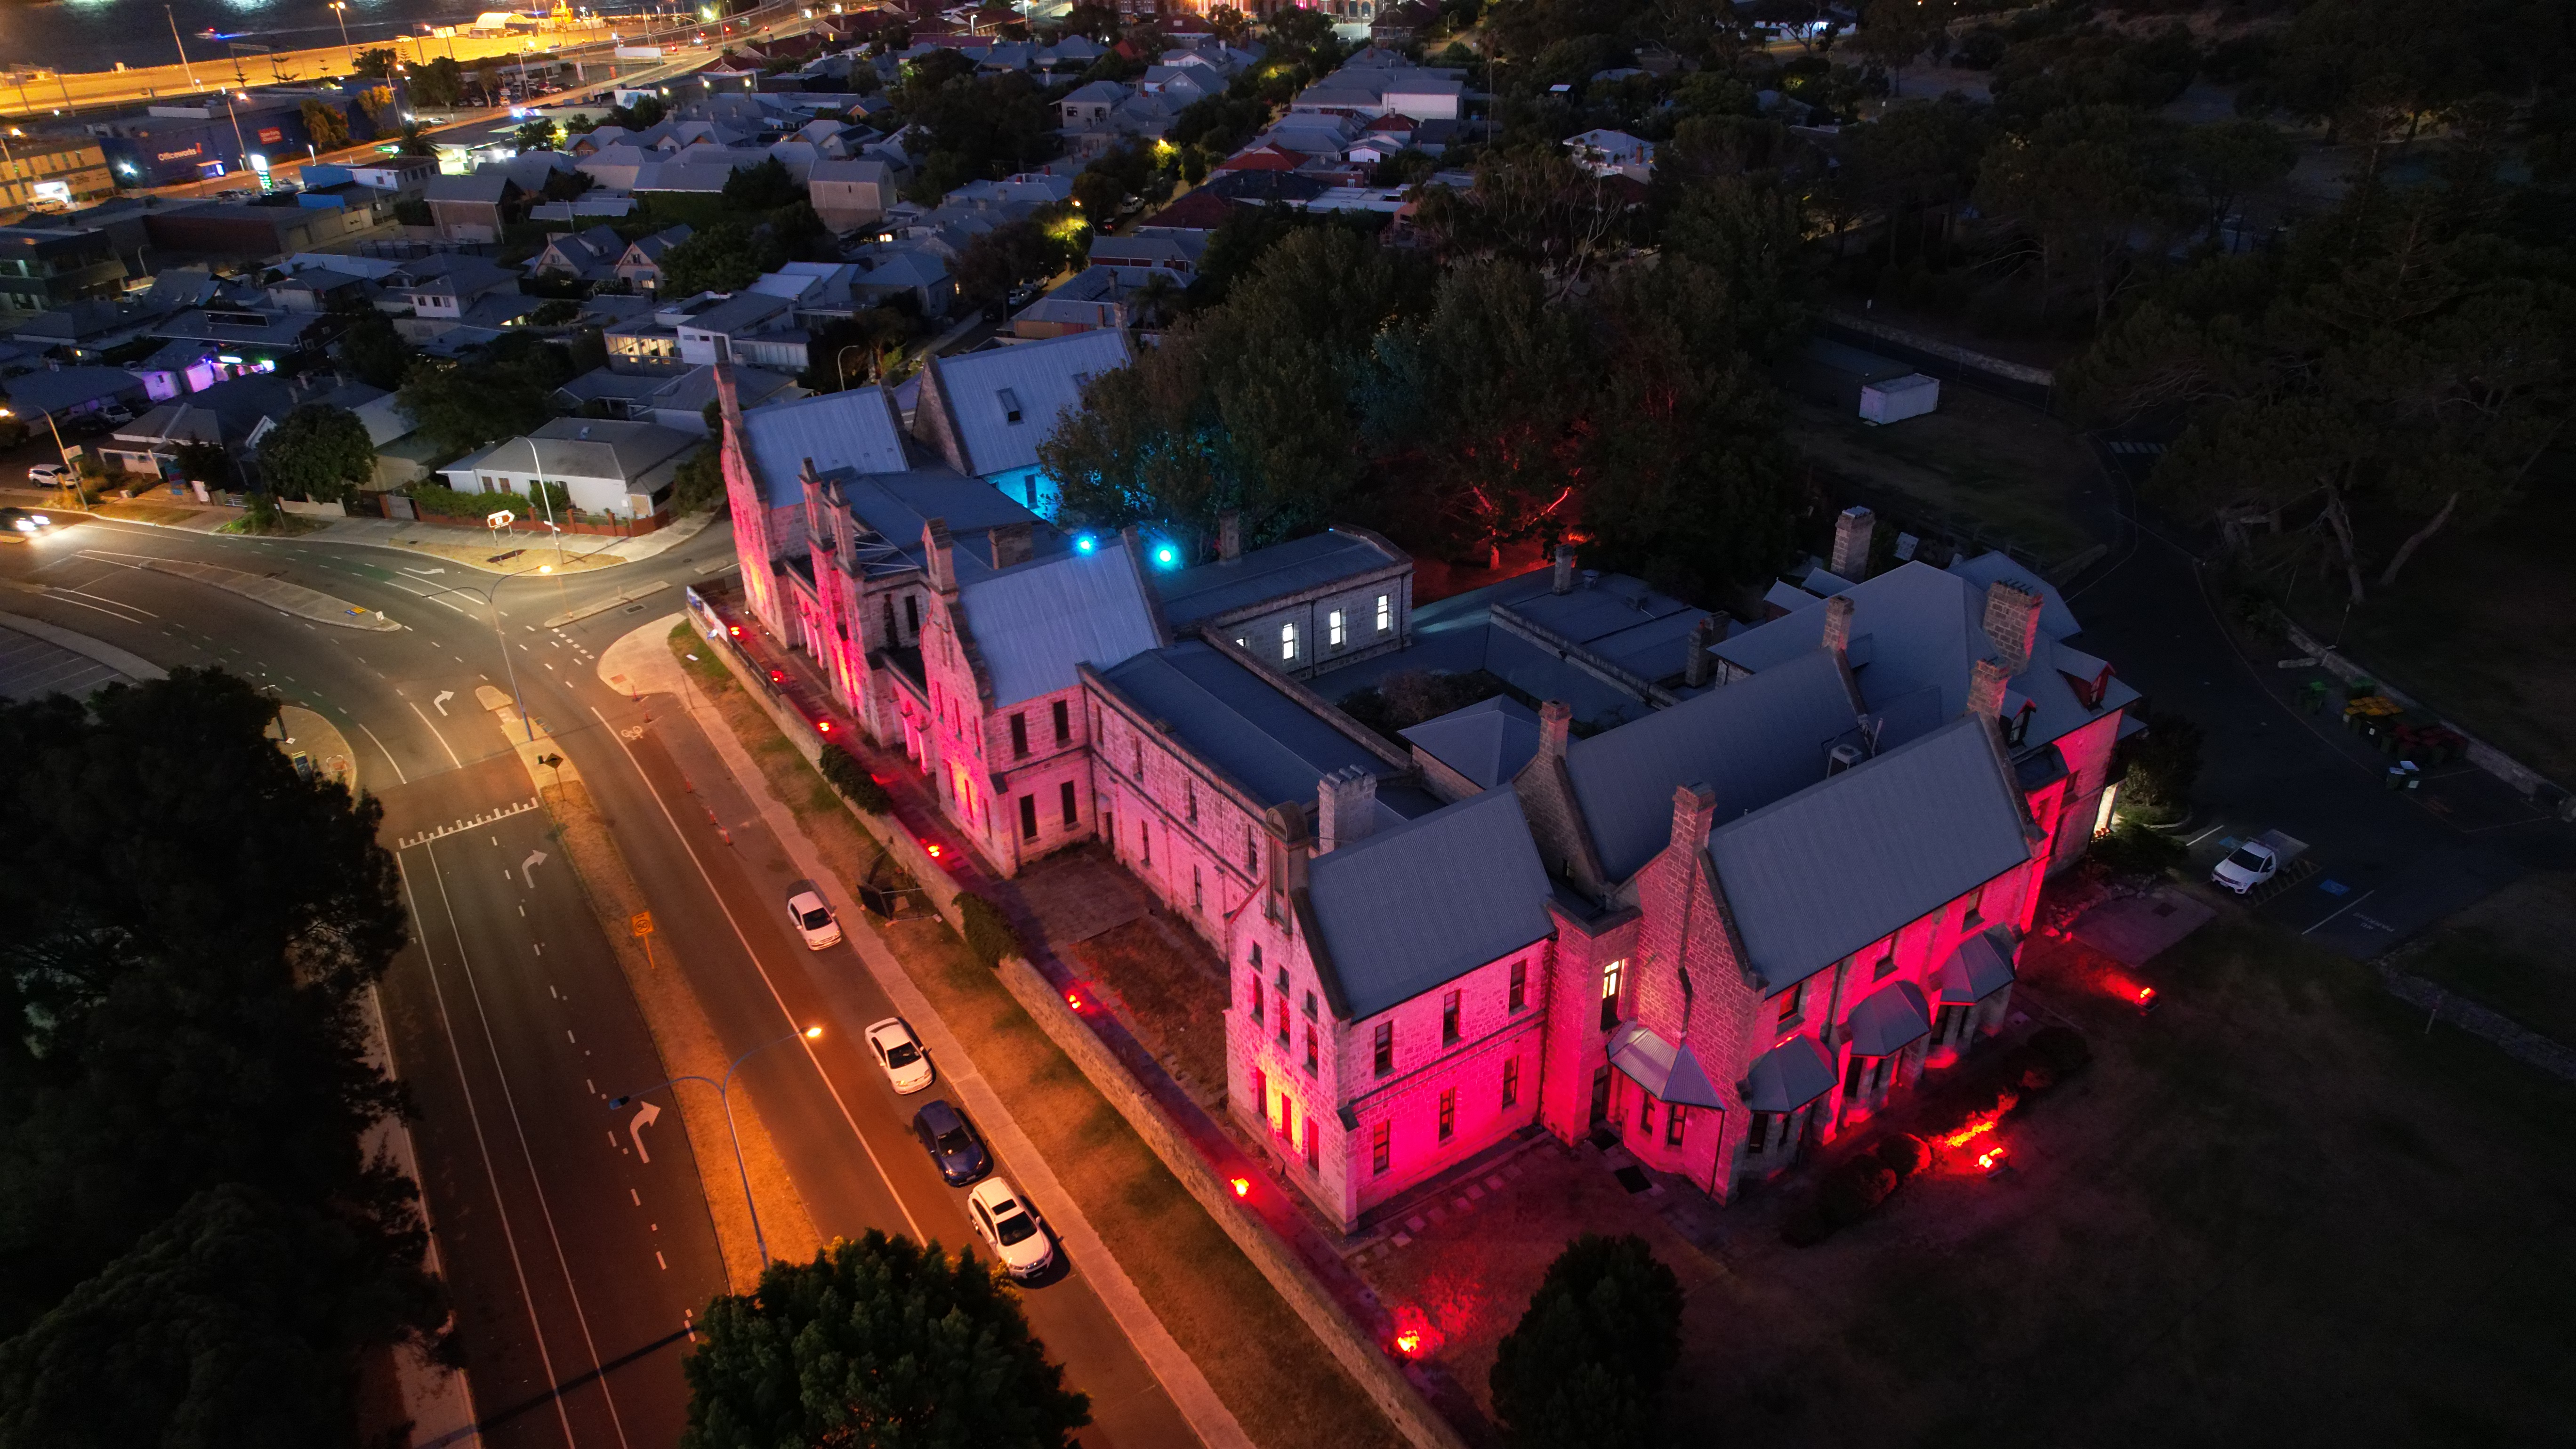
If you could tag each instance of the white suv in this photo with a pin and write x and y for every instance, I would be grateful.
(907, 1069)
(1009, 1226)
(2247, 866)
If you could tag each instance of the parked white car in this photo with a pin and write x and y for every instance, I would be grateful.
(2247, 866)
(813, 920)
(1010, 1227)
(49, 475)
(907, 1067)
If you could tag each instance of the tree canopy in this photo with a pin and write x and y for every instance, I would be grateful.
(880, 1341)
(192, 1247)
(725, 256)
(1590, 1356)
(320, 452)
(505, 392)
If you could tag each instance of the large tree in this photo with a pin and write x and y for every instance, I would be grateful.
(503, 393)
(726, 256)
(1585, 1365)
(880, 1341)
(320, 452)
(188, 929)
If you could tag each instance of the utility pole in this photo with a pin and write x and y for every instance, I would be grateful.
(340, 12)
(183, 47)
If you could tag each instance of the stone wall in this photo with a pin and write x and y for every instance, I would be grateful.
(2487, 757)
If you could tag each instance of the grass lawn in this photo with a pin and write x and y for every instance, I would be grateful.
(2509, 953)
(2481, 626)
(2273, 1212)
(1978, 465)
(1283, 1387)
(1175, 1006)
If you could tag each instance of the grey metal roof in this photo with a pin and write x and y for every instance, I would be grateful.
(1753, 742)
(855, 429)
(1788, 1076)
(887, 511)
(1044, 379)
(1237, 720)
(68, 387)
(1319, 559)
(1980, 967)
(587, 448)
(1036, 621)
(1669, 1071)
(1889, 1020)
(1845, 862)
(2056, 621)
(1410, 908)
(1487, 741)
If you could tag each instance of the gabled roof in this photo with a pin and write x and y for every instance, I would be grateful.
(1487, 742)
(1237, 720)
(1669, 1071)
(1753, 742)
(1407, 909)
(1210, 590)
(855, 429)
(1788, 1076)
(1038, 381)
(886, 512)
(1812, 878)
(583, 448)
(1036, 621)
(483, 186)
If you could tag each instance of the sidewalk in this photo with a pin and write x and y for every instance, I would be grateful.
(1222, 1153)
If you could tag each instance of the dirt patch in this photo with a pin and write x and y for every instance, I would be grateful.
(1167, 994)
(1980, 468)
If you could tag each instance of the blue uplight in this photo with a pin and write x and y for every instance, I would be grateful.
(1165, 556)
(1084, 543)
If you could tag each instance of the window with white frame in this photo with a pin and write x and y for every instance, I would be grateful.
(1287, 641)
(1385, 612)
(1333, 629)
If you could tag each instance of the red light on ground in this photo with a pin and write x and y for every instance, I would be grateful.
(1991, 1161)
(1242, 1187)
(1073, 999)
(777, 677)
(932, 848)
(737, 630)
(2146, 998)
(1969, 1133)
(1408, 1343)
(823, 726)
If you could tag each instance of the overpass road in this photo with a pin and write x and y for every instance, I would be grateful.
(574, 1262)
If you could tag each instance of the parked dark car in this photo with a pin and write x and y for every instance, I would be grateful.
(951, 1142)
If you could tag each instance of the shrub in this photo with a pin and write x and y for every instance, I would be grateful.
(1903, 1155)
(1593, 1350)
(854, 782)
(2063, 1048)
(1854, 1190)
(989, 934)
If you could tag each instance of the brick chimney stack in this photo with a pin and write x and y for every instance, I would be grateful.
(1010, 543)
(1986, 690)
(1555, 726)
(1346, 808)
(2012, 621)
(1851, 543)
(1563, 582)
(1698, 665)
(941, 550)
(1838, 617)
(1229, 535)
(1694, 810)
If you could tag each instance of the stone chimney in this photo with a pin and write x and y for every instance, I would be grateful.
(1563, 582)
(1694, 809)
(1986, 690)
(1851, 543)
(1555, 726)
(940, 551)
(1698, 665)
(2012, 621)
(1010, 544)
(1229, 535)
(1838, 617)
(1345, 808)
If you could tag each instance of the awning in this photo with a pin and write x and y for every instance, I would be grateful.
(1980, 967)
(1668, 1072)
(1890, 1021)
(1788, 1076)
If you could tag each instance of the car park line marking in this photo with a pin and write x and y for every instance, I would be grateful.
(2348, 905)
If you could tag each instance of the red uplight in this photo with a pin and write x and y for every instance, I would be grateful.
(1242, 1187)
(1969, 1133)
(823, 726)
(1073, 999)
(777, 676)
(1991, 1161)
(737, 630)
(1416, 1335)
(2146, 998)
(1408, 1343)
(933, 849)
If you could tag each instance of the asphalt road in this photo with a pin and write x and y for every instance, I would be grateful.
(574, 1262)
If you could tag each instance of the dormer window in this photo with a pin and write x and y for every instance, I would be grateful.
(1010, 405)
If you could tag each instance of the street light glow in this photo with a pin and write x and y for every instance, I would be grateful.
(813, 1033)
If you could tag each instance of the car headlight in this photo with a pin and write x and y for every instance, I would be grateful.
(40, 520)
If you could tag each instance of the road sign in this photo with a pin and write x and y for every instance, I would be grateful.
(641, 923)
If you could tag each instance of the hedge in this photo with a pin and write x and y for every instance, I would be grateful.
(989, 934)
(854, 782)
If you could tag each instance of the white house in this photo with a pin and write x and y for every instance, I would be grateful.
(1613, 153)
(604, 465)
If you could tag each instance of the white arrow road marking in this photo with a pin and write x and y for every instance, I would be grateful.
(444, 696)
(528, 867)
(644, 1117)
(422, 572)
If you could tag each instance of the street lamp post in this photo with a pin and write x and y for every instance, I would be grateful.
(841, 363)
(184, 63)
(340, 11)
(724, 1094)
(497, 521)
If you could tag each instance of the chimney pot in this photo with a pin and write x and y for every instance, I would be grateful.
(1698, 665)
(2012, 622)
(1346, 808)
(1986, 690)
(1838, 617)
(1229, 535)
(1555, 726)
(1563, 581)
(1852, 529)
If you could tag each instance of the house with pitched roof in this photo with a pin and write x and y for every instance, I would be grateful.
(986, 412)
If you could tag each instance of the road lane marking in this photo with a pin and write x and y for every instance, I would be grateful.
(388, 754)
(474, 1114)
(536, 1183)
(808, 1047)
(452, 756)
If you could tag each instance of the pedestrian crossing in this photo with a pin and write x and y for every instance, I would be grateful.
(442, 832)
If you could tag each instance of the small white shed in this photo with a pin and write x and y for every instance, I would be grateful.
(1899, 398)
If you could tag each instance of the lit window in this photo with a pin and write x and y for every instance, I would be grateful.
(1385, 612)
(1610, 979)
(1287, 641)
(1333, 628)
(1791, 1001)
